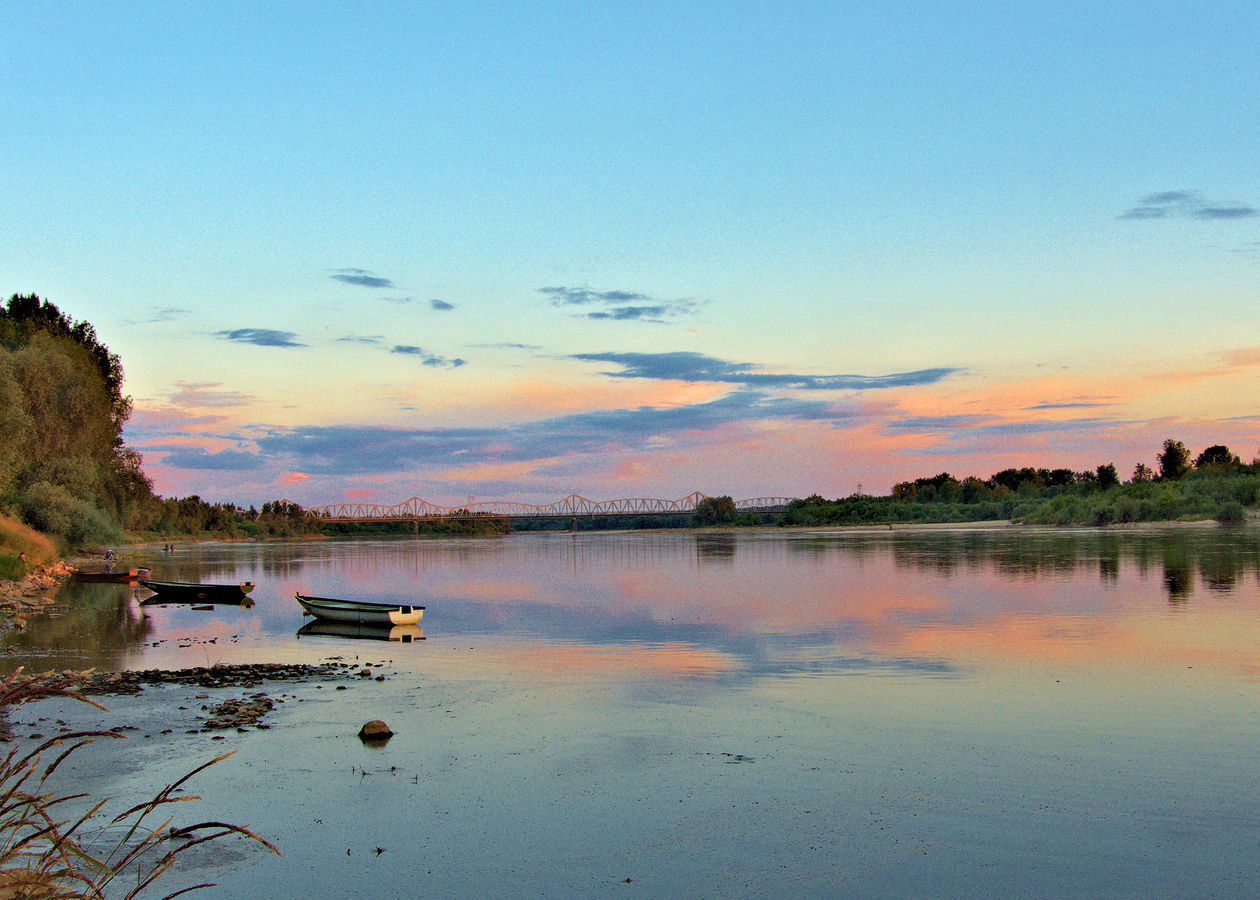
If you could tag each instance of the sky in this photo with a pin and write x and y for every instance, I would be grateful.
(513, 251)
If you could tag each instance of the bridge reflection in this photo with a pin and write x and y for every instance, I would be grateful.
(571, 507)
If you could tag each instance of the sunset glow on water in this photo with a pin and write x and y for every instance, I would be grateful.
(955, 712)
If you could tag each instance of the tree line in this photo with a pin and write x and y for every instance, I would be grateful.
(1216, 484)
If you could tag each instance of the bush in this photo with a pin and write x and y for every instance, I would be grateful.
(1231, 513)
(51, 509)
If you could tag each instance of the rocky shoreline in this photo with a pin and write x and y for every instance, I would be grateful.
(241, 675)
(34, 593)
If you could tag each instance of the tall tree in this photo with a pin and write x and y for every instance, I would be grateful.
(62, 412)
(1174, 461)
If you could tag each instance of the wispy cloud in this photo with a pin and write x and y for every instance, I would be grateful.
(696, 367)
(1010, 436)
(202, 396)
(263, 337)
(426, 358)
(506, 346)
(350, 450)
(168, 314)
(567, 296)
(1188, 205)
(181, 457)
(931, 424)
(361, 278)
(1041, 406)
(361, 339)
(441, 305)
(619, 306)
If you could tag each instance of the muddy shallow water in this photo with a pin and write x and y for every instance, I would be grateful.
(953, 713)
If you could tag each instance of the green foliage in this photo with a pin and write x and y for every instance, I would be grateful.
(1231, 513)
(1216, 455)
(1222, 486)
(52, 509)
(61, 416)
(715, 511)
(1174, 461)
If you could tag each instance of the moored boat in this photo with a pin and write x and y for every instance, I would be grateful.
(360, 612)
(194, 592)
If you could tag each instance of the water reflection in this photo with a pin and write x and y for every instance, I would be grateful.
(718, 547)
(401, 634)
(740, 604)
(93, 625)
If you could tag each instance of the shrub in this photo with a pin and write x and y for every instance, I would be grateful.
(1231, 513)
(53, 510)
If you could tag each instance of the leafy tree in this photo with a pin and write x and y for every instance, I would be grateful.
(715, 511)
(1174, 461)
(1060, 477)
(1216, 455)
(61, 416)
(1107, 476)
(25, 315)
(1143, 472)
(975, 491)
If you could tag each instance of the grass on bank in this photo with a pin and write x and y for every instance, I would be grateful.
(17, 539)
(47, 853)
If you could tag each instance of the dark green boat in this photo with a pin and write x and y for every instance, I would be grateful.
(194, 592)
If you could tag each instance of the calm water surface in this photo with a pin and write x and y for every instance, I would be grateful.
(995, 712)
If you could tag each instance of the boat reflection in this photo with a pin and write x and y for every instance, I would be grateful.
(196, 602)
(109, 576)
(401, 634)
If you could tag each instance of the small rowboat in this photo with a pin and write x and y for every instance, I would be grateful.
(193, 592)
(360, 612)
(399, 634)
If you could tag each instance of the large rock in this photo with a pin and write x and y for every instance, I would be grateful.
(376, 730)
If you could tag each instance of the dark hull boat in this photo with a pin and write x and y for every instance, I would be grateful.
(360, 612)
(401, 634)
(193, 592)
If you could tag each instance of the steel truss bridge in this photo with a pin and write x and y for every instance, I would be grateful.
(571, 507)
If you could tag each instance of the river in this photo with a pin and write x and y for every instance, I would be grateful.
(952, 712)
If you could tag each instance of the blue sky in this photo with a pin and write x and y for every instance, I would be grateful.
(517, 250)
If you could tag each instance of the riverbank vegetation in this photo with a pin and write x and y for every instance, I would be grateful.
(22, 548)
(64, 469)
(1216, 485)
